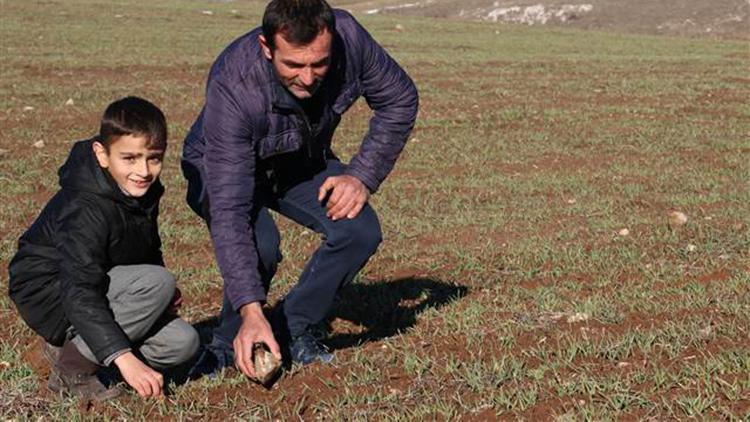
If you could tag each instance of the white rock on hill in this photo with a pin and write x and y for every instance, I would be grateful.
(529, 15)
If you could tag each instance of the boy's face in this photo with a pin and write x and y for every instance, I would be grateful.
(133, 166)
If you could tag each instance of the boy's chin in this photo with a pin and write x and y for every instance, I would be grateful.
(135, 191)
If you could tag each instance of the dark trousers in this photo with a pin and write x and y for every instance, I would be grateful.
(346, 245)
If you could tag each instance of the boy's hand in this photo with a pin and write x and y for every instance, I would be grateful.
(176, 303)
(254, 329)
(146, 381)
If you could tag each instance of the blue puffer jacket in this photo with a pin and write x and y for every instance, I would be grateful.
(249, 118)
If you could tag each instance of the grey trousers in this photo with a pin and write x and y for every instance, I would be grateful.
(139, 296)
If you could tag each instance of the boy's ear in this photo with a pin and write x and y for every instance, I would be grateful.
(101, 154)
(265, 47)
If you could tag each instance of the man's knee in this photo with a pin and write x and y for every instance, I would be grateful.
(269, 252)
(267, 243)
(359, 237)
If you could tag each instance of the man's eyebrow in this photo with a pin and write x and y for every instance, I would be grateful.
(324, 60)
(290, 62)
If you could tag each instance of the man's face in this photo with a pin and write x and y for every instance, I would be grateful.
(301, 68)
(131, 163)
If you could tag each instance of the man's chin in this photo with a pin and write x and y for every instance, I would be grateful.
(301, 94)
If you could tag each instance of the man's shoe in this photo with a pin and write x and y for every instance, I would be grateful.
(210, 362)
(306, 349)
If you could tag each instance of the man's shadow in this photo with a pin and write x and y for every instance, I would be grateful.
(382, 309)
(378, 309)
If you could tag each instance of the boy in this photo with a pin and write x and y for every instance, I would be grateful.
(89, 276)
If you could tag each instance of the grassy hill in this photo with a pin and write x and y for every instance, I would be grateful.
(529, 269)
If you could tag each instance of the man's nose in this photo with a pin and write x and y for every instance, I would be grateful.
(307, 76)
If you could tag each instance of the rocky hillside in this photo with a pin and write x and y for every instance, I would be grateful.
(714, 18)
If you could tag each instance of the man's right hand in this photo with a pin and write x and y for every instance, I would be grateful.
(146, 381)
(254, 329)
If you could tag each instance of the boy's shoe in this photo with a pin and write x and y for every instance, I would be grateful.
(306, 349)
(51, 354)
(87, 387)
(77, 376)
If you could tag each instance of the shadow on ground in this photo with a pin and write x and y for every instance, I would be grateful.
(385, 308)
(381, 308)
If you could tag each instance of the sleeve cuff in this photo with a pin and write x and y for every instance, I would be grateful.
(111, 358)
(369, 183)
(239, 302)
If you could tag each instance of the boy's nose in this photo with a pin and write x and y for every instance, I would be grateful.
(143, 169)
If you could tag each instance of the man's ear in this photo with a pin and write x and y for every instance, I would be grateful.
(101, 154)
(265, 47)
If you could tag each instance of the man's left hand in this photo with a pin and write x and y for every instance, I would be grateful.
(347, 197)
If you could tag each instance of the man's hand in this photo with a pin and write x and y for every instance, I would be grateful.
(254, 329)
(176, 303)
(146, 381)
(347, 199)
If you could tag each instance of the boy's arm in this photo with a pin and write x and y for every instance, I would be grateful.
(82, 242)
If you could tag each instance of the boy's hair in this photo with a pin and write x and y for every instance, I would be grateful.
(134, 116)
(299, 20)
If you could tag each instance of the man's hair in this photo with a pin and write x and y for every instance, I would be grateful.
(134, 116)
(300, 21)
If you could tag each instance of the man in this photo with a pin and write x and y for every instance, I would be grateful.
(274, 98)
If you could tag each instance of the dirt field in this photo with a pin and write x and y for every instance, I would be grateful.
(529, 268)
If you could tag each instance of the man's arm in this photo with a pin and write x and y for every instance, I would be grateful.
(392, 96)
(229, 161)
(229, 164)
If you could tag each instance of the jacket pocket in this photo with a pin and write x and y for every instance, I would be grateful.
(280, 143)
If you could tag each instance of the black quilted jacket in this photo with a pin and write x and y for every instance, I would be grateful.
(58, 277)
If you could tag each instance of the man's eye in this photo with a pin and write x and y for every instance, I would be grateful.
(129, 160)
(155, 160)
